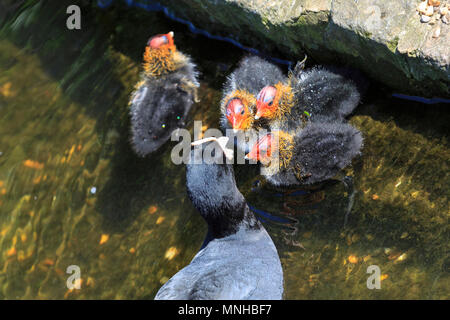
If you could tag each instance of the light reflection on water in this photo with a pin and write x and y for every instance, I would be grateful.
(64, 131)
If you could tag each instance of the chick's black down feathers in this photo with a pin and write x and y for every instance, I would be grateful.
(328, 95)
(323, 149)
(159, 106)
(253, 74)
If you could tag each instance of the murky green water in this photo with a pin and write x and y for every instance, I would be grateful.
(64, 131)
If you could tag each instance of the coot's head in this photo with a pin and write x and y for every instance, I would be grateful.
(162, 42)
(274, 147)
(272, 101)
(238, 109)
(263, 149)
(160, 55)
(210, 180)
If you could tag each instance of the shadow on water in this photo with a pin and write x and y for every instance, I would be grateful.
(81, 61)
(429, 121)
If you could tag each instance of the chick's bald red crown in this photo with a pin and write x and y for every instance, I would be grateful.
(161, 41)
(236, 112)
(265, 101)
(262, 150)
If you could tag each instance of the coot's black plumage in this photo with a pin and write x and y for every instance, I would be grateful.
(163, 97)
(239, 260)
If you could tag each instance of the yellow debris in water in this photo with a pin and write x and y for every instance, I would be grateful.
(132, 250)
(33, 164)
(415, 194)
(384, 277)
(90, 281)
(5, 90)
(366, 258)
(79, 147)
(23, 237)
(72, 150)
(159, 220)
(171, 253)
(11, 252)
(163, 280)
(48, 262)
(404, 235)
(1, 183)
(401, 258)
(398, 183)
(375, 197)
(3, 191)
(37, 179)
(104, 238)
(152, 209)
(353, 259)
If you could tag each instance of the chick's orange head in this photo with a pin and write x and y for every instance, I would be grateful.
(159, 55)
(238, 114)
(263, 149)
(266, 103)
(162, 41)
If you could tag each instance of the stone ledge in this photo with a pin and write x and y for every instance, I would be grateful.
(383, 38)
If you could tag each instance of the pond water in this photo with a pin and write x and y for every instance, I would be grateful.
(72, 192)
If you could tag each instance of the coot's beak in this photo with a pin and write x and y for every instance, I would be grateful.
(222, 141)
(229, 153)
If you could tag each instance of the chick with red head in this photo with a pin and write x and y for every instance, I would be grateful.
(238, 103)
(319, 95)
(164, 95)
(314, 154)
